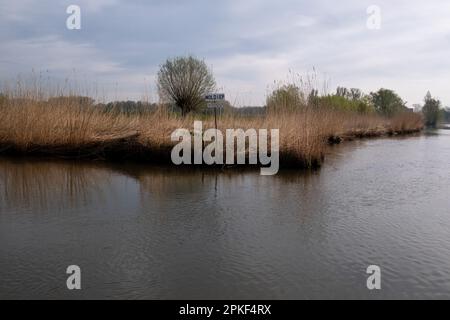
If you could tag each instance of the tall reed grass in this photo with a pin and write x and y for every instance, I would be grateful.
(74, 128)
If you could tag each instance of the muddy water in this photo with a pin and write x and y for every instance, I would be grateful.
(157, 233)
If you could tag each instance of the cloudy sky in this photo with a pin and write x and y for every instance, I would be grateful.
(248, 44)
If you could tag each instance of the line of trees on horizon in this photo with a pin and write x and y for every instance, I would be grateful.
(384, 101)
(183, 82)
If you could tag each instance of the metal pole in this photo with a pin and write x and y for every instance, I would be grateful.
(215, 123)
(215, 116)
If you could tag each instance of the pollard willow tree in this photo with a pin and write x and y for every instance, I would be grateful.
(185, 81)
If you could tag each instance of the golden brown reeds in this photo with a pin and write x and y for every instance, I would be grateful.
(71, 128)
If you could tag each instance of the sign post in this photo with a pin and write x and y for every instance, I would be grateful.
(212, 101)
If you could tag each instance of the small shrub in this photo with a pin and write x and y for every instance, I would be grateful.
(286, 98)
(387, 103)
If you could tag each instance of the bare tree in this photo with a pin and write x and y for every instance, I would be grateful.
(185, 81)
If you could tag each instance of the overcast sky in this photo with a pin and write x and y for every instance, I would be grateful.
(249, 44)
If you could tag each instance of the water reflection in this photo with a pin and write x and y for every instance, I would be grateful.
(57, 185)
(148, 232)
(48, 184)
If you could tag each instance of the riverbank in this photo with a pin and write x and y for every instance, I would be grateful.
(69, 129)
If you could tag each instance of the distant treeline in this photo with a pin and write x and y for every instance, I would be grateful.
(127, 107)
(285, 98)
(446, 115)
(140, 107)
(291, 96)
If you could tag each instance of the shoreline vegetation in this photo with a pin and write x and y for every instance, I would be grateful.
(73, 127)
(39, 121)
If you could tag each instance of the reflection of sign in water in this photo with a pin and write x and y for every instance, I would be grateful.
(213, 97)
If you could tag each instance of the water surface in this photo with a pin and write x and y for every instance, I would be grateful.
(156, 233)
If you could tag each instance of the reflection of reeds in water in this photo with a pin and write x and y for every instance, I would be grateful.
(163, 186)
(159, 184)
(50, 185)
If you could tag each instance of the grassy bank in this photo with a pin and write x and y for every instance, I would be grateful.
(68, 128)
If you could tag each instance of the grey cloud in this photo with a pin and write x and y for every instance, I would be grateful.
(249, 43)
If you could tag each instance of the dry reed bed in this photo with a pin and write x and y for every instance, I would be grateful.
(33, 127)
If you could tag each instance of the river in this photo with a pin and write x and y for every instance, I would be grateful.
(141, 232)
